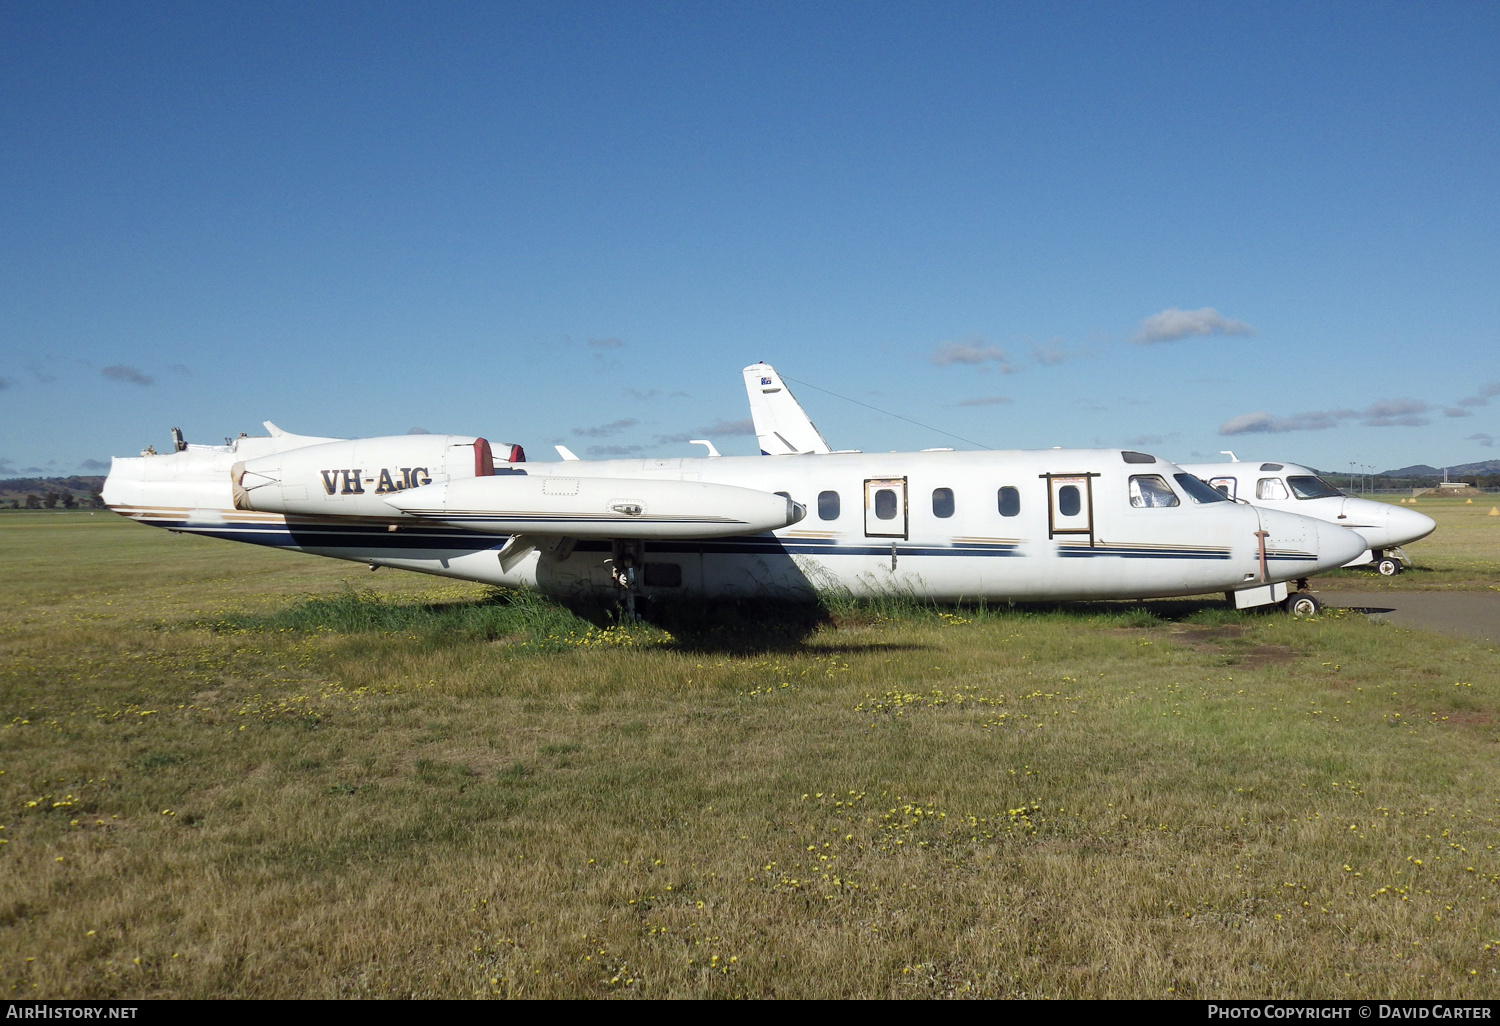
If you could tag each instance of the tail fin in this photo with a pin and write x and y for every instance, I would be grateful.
(780, 423)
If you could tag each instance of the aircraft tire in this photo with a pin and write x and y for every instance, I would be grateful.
(1388, 566)
(1302, 605)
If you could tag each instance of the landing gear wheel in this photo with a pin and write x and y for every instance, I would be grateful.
(1388, 566)
(1302, 605)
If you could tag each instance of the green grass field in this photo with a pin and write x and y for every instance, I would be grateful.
(228, 771)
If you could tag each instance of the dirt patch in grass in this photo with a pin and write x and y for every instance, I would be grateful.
(1229, 642)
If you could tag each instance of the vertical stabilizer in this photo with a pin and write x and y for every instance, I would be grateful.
(780, 423)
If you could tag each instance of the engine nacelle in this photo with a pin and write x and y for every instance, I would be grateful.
(355, 477)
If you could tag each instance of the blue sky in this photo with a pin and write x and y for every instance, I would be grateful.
(1182, 227)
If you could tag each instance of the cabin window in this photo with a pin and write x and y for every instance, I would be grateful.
(663, 575)
(1137, 457)
(1267, 468)
(1270, 488)
(1226, 485)
(828, 505)
(1010, 501)
(885, 504)
(1069, 502)
(1312, 488)
(1152, 491)
(942, 503)
(1198, 489)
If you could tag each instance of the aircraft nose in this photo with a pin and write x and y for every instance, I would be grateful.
(1337, 545)
(1407, 525)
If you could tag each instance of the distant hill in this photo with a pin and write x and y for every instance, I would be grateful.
(81, 490)
(1419, 470)
(1456, 471)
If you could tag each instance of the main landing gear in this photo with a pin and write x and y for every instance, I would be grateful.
(624, 558)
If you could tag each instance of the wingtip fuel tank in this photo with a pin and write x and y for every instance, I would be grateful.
(585, 507)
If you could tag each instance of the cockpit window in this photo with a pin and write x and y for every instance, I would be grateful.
(1312, 488)
(1152, 490)
(1198, 490)
(1270, 488)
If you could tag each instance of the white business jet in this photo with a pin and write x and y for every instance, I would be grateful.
(1048, 525)
(1295, 489)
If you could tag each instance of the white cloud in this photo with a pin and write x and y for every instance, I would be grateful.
(1483, 396)
(1385, 413)
(1050, 353)
(1173, 324)
(605, 430)
(122, 372)
(718, 429)
(974, 353)
(1396, 413)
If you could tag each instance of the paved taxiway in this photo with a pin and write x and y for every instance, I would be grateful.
(1472, 613)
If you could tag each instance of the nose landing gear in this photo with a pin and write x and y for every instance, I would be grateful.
(1302, 604)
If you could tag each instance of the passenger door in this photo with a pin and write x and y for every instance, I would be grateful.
(885, 507)
(1070, 505)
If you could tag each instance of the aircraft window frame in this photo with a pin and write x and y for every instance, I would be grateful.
(942, 503)
(1152, 495)
(1271, 484)
(1069, 501)
(1330, 493)
(1008, 505)
(830, 505)
(1199, 490)
(886, 504)
(1227, 486)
